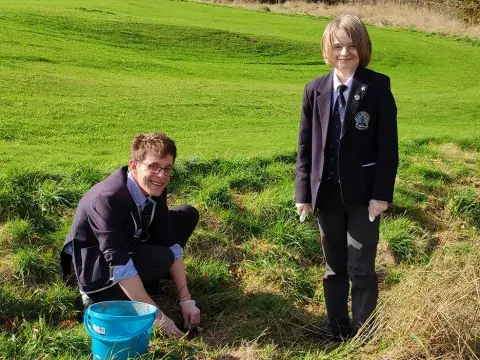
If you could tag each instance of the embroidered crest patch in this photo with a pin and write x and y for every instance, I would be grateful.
(361, 120)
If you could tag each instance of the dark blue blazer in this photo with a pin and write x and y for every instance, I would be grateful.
(368, 150)
(104, 227)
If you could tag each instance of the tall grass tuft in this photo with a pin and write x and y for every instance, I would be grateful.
(432, 314)
(465, 203)
(216, 193)
(39, 197)
(405, 238)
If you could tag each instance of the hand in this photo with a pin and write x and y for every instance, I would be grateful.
(191, 314)
(168, 326)
(375, 207)
(303, 209)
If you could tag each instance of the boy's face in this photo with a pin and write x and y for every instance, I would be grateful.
(345, 55)
(153, 173)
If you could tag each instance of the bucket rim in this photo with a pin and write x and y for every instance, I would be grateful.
(117, 339)
(91, 310)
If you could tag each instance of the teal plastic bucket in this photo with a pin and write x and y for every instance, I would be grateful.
(120, 330)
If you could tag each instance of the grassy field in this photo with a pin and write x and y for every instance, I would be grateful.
(79, 80)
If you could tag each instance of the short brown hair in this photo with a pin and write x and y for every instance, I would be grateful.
(154, 143)
(356, 30)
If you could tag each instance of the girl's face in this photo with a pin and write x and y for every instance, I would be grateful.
(345, 55)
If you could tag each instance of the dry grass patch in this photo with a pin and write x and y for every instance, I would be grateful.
(249, 350)
(434, 313)
(453, 229)
(385, 260)
(265, 280)
(441, 20)
(261, 247)
(234, 328)
(454, 151)
(6, 268)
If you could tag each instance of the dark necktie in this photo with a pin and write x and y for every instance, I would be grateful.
(341, 89)
(146, 215)
(338, 112)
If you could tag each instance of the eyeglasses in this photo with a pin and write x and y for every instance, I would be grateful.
(157, 169)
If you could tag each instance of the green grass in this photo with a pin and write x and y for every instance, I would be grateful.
(465, 203)
(84, 79)
(81, 79)
(16, 231)
(254, 270)
(405, 238)
(34, 265)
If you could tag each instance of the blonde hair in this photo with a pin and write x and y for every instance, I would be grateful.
(356, 30)
(154, 143)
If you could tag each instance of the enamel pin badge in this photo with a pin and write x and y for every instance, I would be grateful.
(357, 96)
(361, 120)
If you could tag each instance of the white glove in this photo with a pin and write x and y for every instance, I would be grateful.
(168, 326)
(375, 207)
(191, 314)
(303, 209)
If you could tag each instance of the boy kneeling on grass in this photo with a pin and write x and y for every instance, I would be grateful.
(124, 238)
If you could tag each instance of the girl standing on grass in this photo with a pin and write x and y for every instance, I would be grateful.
(346, 166)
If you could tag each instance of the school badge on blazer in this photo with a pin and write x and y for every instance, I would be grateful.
(361, 120)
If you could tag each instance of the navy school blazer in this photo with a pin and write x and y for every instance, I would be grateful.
(103, 231)
(368, 149)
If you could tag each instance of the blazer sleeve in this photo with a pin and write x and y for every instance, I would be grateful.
(304, 154)
(106, 220)
(387, 145)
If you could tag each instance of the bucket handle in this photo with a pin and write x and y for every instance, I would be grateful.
(86, 322)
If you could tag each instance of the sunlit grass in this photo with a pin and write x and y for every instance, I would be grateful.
(80, 81)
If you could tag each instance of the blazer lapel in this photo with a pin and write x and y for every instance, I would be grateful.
(355, 97)
(324, 101)
(127, 200)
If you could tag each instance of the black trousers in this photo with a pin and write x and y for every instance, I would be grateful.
(154, 261)
(349, 242)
